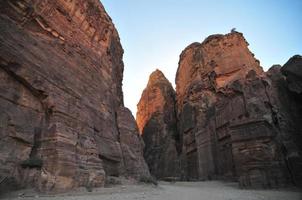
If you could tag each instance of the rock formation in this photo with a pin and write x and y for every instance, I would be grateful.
(287, 82)
(156, 119)
(227, 114)
(293, 73)
(63, 123)
(234, 121)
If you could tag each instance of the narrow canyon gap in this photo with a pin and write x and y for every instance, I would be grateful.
(63, 123)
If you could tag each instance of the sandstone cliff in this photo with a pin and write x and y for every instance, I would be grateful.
(62, 121)
(234, 121)
(287, 82)
(228, 115)
(293, 73)
(156, 119)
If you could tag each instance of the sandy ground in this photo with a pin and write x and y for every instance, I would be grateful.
(210, 190)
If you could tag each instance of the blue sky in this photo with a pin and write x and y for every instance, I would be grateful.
(154, 32)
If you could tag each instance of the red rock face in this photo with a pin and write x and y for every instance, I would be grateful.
(62, 121)
(227, 115)
(233, 120)
(156, 118)
(215, 57)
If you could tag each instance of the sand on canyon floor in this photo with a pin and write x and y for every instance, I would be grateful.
(209, 190)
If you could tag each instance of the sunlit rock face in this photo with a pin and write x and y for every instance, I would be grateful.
(62, 119)
(228, 115)
(156, 118)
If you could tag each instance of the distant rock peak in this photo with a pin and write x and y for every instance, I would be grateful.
(157, 77)
(156, 119)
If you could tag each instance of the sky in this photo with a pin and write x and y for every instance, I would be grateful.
(154, 32)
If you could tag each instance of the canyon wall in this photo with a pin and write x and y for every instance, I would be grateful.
(63, 123)
(156, 119)
(226, 114)
(235, 121)
(287, 84)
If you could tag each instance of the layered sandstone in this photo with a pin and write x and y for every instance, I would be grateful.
(62, 121)
(228, 118)
(234, 121)
(156, 119)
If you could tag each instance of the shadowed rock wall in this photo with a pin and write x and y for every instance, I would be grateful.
(63, 122)
(287, 82)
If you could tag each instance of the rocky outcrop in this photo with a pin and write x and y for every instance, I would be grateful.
(286, 82)
(132, 145)
(293, 72)
(228, 115)
(232, 122)
(63, 123)
(156, 119)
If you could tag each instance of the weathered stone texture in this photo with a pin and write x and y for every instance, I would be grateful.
(234, 121)
(132, 145)
(287, 82)
(61, 100)
(156, 118)
(227, 115)
(293, 72)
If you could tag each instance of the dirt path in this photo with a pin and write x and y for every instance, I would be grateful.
(211, 190)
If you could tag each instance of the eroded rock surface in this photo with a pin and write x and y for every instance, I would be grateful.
(287, 82)
(234, 121)
(293, 72)
(156, 118)
(62, 121)
(228, 115)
